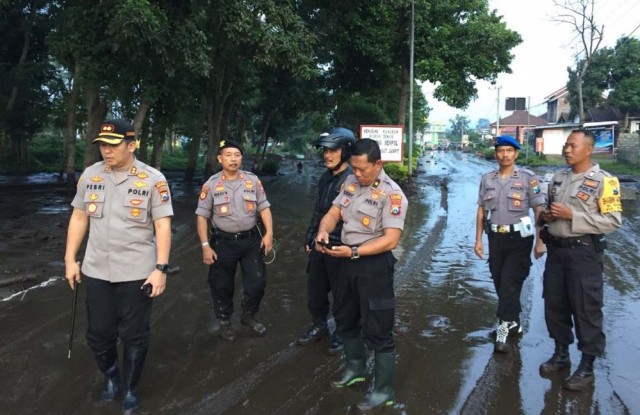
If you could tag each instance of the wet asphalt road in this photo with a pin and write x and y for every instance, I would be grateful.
(446, 310)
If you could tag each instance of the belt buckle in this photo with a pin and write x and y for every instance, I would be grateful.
(503, 228)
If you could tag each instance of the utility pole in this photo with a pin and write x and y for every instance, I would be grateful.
(410, 138)
(526, 136)
(498, 111)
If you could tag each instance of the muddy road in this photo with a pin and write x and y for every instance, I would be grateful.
(445, 313)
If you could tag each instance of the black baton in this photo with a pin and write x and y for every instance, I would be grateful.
(73, 315)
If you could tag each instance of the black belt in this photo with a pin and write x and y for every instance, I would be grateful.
(570, 242)
(217, 233)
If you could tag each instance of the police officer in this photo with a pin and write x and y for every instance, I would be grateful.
(504, 200)
(372, 208)
(584, 204)
(233, 200)
(126, 205)
(323, 270)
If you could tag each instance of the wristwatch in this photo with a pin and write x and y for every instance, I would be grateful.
(162, 267)
(354, 252)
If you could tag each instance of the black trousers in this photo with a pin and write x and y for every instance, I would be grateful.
(509, 264)
(117, 310)
(222, 273)
(323, 272)
(365, 305)
(573, 294)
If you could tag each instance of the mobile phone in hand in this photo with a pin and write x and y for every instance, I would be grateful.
(325, 244)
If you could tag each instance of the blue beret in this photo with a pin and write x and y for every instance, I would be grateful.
(507, 140)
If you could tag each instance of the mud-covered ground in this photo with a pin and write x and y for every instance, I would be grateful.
(446, 311)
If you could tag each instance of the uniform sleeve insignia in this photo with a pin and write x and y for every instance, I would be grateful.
(591, 183)
(583, 196)
(204, 192)
(533, 183)
(260, 184)
(396, 204)
(140, 185)
(142, 175)
(164, 195)
(610, 201)
(160, 185)
(96, 179)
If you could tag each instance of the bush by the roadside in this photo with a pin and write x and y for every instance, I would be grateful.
(397, 172)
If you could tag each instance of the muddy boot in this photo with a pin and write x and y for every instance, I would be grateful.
(108, 365)
(316, 332)
(383, 393)
(356, 363)
(226, 330)
(134, 358)
(111, 383)
(500, 345)
(248, 319)
(583, 376)
(559, 361)
(336, 343)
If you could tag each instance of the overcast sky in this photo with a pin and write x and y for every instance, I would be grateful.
(540, 62)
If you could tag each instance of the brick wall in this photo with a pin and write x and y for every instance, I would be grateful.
(629, 148)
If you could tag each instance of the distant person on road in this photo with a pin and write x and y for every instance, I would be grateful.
(372, 208)
(299, 167)
(504, 200)
(126, 206)
(233, 200)
(323, 270)
(584, 204)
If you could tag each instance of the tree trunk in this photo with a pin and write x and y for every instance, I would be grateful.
(261, 148)
(96, 111)
(221, 92)
(70, 129)
(194, 149)
(404, 95)
(159, 138)
(138, 120)
(28, 25)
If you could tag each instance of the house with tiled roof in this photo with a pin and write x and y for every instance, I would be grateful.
(517, 124)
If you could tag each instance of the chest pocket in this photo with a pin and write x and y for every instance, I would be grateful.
(250, 202)
(137, 207)
(222, 205)
(368, 217)
(94, 203)
(516, 201)
(489, 201)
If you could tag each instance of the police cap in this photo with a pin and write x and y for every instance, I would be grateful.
(229, 143)
(507, 140)
(114, 131)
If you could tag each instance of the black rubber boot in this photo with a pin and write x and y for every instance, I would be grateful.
(134, 358)
(316, 332)
(383, 392)
(356, 363)
(108, 365)
(336, 343)
(583, 376)
(559, 361)
(226, 330)
(248, 319)
(111, 383)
